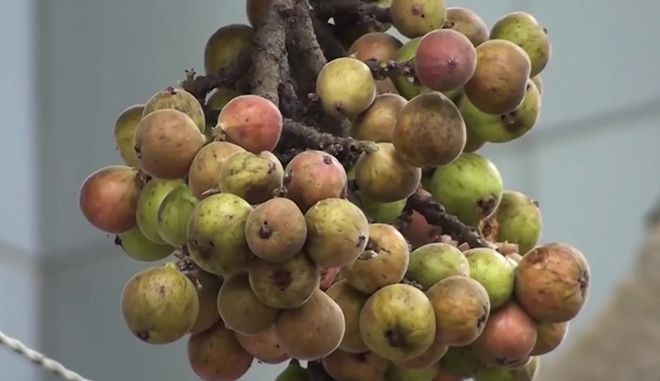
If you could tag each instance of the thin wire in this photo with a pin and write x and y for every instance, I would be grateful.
(39, 359)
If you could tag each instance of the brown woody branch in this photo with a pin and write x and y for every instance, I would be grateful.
(356, 10)
(391, 68)
(201, 86)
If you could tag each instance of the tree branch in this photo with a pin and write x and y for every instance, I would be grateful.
(356, 10)
(201, 86)
(331, 46)
(435, 214)
(391, 68)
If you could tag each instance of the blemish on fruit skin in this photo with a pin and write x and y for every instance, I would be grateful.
(143, 335)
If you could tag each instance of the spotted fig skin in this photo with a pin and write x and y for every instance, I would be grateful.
(263, 346)
(253, 177)
(461, 308)
(499, 82)
(433, 262)
(549, 337)
(217, 355)
(386, 176)
(346, 87)
(469, 23)
(206, 167)
(312, 176)
(252, 122)
(241, 310)
(351, 302)
(177, 99)
(430, 131)
(365, 366)
(415, 18)
(216, 234)
(378, 121)
(494, 272)
(375, 45)
(125, 126)
(445, 60)
(519, 221)
(524, 30)
(508, 338)
(108, 198)
(552, 282)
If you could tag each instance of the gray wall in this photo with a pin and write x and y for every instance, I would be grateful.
(591, 162)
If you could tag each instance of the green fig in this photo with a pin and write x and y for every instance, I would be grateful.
(345, 87)
(415, 18)
(206, 167)
(406, 86)
(137, 246)
(173, 215)
(381, 212)
(527, 372)
(395, 373)
(216, 234)
(470, 187)
(225, 45)
(151, 198)
(461, 361)
(494, 272)
(208, 286)
(524, 30)
(518, 220)
(125, 127)
(253, 177)
(433, 262)
(180, 100)
(506, 127)
(294, 372)
(159, 304)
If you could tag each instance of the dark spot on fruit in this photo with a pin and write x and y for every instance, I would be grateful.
(483, 318)
(452, 64)
(536, 257)
(117, 240)
(529, 86)
(143, 335)
(545, 30)
(340, 107)
(271, 167)
(288, 176)
(282, 279)
(584, 283)
(170, 90)
(361, 357)
(361, 240)
(487, 205)
(327, 159)
(161, 291)
(265, 231)
(395, 338)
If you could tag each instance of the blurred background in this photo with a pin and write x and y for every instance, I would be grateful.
(70, 67)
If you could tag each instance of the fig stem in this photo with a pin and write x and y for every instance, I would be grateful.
(355, 11)
(201, 86)
(391, 68)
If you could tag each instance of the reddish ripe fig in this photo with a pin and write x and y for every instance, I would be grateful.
(252, 122)
(445, 60)
(508, 338)
(375, 45)
(419, 232)
(108, 198)
(166, 141)
(313, 176)
(216, 355)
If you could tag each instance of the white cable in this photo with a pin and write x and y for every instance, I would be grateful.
(39, 359)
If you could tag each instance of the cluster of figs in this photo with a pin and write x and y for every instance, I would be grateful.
(287, 262)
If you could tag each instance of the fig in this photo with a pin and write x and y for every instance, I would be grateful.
(253, 177)
(137, 246)
(287, 284)
(378, 122)
(365, 366)
(220, 97)
(397, 322)
(166, 141)
(506, 127)
(108, 198)
(508, 338)
(276, 230)
(538, 81)
(225, 45)
(419, 232)
(527, 372)
(263, 346)
(430, 131)
(469, 23)
(395, 373)
(204, 173)
(414, 18)
(351, 302)
(461, 309)
(524, 30)
(461, 361)
(552, 282)
(329, 276)
(240, 308)
(125, 126)
(473, 141)
(381, 212)
(312, 176)
(433, 262)
(386, 176)
(294, 372)
(216, 234)
(378, 46)
(180, 100)
(445, 60)
(252, 122)
(345, 87)
(208, 286)
(426, 359)
(518, 220)
(324, 328)
(216, 355)
(337, 232)
(256, 11)
(514, 258)
(383, 263)
(549, 337)
(444, 376)
(173, 214)
(159, 304)
(149, 202)
(407, 87)
(494, 272)
(470, 187)
(499, 82)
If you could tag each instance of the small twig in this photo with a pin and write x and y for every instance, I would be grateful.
(435, 214)
(391, 68)
(200, 86)
(330, 45)
(355, 10)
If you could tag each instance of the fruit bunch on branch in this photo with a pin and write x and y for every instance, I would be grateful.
(317, 196)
